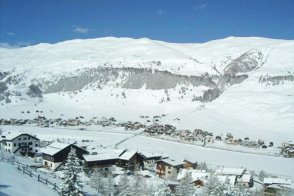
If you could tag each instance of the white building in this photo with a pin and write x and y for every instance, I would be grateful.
(18, 142)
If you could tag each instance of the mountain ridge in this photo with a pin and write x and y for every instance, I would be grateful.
(218, 77)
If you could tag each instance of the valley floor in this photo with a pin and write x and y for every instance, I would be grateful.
(126, 140)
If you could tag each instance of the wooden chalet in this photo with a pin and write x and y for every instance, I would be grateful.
(167, 168)
(55, 153)
(105, 158)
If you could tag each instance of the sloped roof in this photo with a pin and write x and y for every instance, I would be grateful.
(276, 181)
(127, 155)
(11, 135)
(106, 154)
(173, 162)
(150, 154)
(54, 148)
(195, 174)
(245, 178)
(230, 171)
(231, 179)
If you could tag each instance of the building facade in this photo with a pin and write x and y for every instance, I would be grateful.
(22, 143)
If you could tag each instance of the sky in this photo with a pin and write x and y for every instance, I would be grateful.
(29, 22)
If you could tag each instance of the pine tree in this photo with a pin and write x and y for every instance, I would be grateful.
(109, 189)
(138, 185)
(97, 181)
(72, 185)
(213, 186)
(186, 187)
(123, 187)
(163, 190)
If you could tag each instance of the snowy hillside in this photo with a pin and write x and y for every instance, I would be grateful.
(240, 85)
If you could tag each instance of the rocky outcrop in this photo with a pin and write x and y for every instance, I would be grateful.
(130, 78)
(245, 63)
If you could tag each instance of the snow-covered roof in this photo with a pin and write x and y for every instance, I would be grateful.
(54, 148)
(105, 154)
(231, 179)
(150, 154)
(11, 135)
(173, 162)
(245, 178)
(195, 174)
(127, 155)
(230, 171)
(276, 181)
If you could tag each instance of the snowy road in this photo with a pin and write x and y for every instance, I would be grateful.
(13, 182)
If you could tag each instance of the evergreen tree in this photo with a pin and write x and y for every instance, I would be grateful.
(213, 186)
(97, 181)
(186, 187)
(163, 190)
(109, 190)
(123, 186)
(138, 185)
(72, 185)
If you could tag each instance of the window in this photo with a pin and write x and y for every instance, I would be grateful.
(36, 150)
(30, 143)
(169, 172)
(19, 138)
(29, 137)
(36, 145)
(8, 144)
(24, 138)
(169, 167)
(19, 144)
(14, 144)
(30, 149)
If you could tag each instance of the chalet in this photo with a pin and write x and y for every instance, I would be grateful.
(274, 185)
(238, 172)
(18, 142)
(55, 153)
(105, 158)
(288, 149)
(188, 164)
(131, 160)
(199, 177)
(168, 168)
(230, 180)
(246, 180)
(151, 157)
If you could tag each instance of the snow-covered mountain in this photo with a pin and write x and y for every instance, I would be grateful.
(240, 85)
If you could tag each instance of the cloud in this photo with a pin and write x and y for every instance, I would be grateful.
(6, 45)
(10, 33)
(78, 29)
(200, 7)
(161, 12)
(16, 45)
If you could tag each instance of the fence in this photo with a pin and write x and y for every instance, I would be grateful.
(28, 171)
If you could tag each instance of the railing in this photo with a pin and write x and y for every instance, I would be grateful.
(28, 171)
